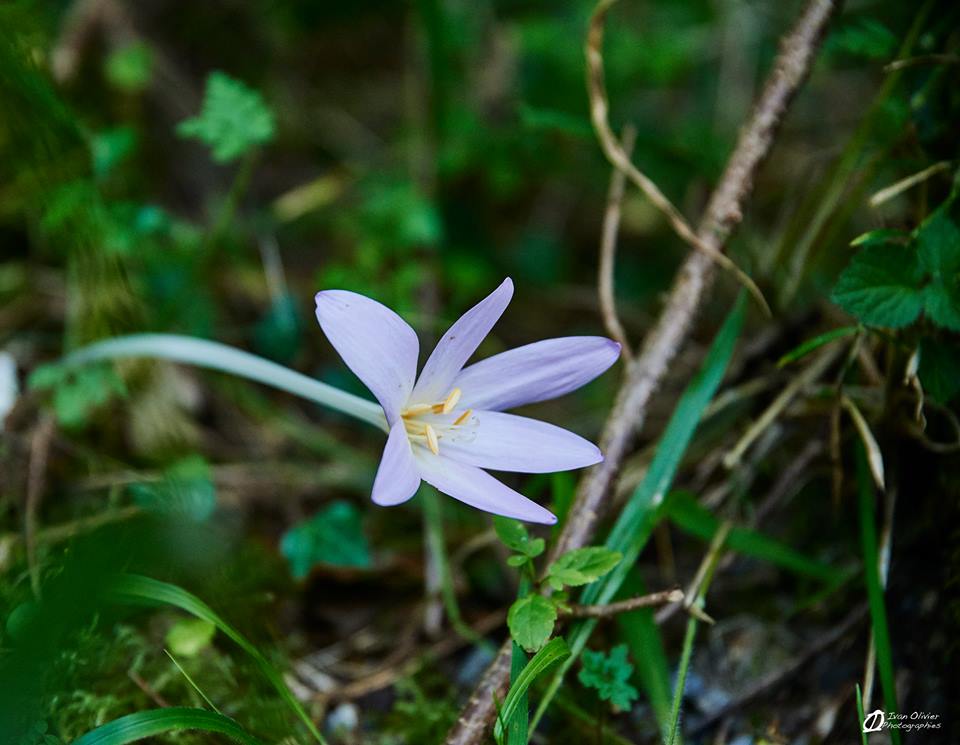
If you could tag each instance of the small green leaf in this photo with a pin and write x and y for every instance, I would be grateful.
(582, 566)
(131, 67)
(233, 120)
(517, 560)
(333, 536)
(190, 636)
(187, 489)
(864, 37)
(938, 247)
(882, 286)
(513, 534)
(77, 393)
(939, 370)
(531, 621)
(609, 675)
(110, 148)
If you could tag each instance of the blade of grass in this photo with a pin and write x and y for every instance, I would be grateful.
(139, 589)
(518, 729)
(871, 570)
(145, 724)
(644, 508)
(642, 634)
(552, 652)
(192, 682)
(687, 514)
(216, 356)
(860, 715)
(810, 345)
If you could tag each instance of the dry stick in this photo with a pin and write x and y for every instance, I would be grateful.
(599, 109)
(625, 606)
(608, 249)
(723, 213)
(36, 482)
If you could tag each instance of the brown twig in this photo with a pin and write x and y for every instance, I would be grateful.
(608, 249)
(620, 159)
(625, 606)
(36, 483)
(724, 211)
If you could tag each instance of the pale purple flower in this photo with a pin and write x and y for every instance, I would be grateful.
(448, 424)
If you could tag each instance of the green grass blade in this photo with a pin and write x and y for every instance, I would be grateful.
(810, 345)
(145, 724)
(871, 571)
(518, 725)
(688, 515)
(685, 656)
(553, 651)
(644, 508)
(216, 356)
(139, 589)
(860, 715)
(639, 630)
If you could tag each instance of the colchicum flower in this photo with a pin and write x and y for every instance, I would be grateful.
(448, 424)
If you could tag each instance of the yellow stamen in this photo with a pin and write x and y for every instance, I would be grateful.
(432, 440)
(417, 409)
(451, 400)
(462, 418)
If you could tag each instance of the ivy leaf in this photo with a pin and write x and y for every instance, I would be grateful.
(582, 566)
(531, 621)
(187, 489)
(939, 370)
(938, 248)
(609, 675)
(233, 119)
(333, 536)
(513, 534)
(882, 286)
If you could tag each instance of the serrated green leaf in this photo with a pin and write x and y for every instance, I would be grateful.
(531, 621)
(190, 636)
(583, 565)
(882, 286)
(939, 370)
(609, 675)
(938, 248)
(333, 536)
(233, 120)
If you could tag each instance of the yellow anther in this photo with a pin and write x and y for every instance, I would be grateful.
(451, 400)
(462, 418)
(417, 409)
(432, 442)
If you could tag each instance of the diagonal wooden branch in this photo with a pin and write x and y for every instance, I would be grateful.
(644, 375)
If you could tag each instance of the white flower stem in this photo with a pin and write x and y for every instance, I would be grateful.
(217, 356)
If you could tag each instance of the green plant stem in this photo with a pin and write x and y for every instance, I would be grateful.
(228, 208)
(216, 356)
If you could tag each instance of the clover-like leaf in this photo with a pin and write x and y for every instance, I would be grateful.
(582, 566)
(233, 120)
(882, 286)
(531, 621)
(333, 536)
(609, 675)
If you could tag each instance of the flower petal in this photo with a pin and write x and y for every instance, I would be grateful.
(507, 442)
(478, 488)
(535, 372)
(459, 344)
(376, 344)
(397, 477)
